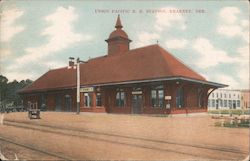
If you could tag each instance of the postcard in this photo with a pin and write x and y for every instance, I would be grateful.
(124, 80)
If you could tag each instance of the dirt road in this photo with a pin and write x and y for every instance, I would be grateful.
(124, 137)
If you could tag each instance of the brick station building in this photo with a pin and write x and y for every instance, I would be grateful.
(146, 80)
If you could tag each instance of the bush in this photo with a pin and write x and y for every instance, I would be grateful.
(247, 112)
(237, 112)
(224, 112)
(213, 111)
(231, 111)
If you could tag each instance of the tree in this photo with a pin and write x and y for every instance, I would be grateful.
(3, 87)
(8, 90)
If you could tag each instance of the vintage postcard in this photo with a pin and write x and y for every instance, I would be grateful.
(124, 80)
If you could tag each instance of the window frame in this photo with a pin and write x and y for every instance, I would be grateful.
(225, 103)
(119, 101)
(159, 101)
(180, 98)
(88, 104)
(98, 95)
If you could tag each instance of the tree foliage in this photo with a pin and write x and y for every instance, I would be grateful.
(8, 90)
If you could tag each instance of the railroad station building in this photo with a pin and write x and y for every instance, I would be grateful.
(145, 80)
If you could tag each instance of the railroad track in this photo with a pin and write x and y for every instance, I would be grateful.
(35, 149)
(159, 145)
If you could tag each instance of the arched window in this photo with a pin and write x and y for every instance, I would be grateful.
(180, 98)
(120, 98)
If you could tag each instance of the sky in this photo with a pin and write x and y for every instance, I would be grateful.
(211, 37)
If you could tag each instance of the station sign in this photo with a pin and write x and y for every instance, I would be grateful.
(87, 89)
(167, 97)
(136, 92)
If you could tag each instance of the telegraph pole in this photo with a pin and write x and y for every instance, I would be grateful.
(78, 86)
(78, 83)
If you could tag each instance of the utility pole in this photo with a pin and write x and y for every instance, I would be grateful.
(78, 86)
(78, 82)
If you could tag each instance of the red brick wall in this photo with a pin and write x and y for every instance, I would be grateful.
(51, 102)
(110, 99)
(117, 47)
(108, 95)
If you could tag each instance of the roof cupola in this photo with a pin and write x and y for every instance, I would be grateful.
(118, 41)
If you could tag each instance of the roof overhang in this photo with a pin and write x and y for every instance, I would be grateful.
(212, 84)
(208, 83)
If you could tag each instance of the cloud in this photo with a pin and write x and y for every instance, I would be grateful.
(146, 38)
(227, 79)
(244, 53)
(5, 53)
(230, 25)
(60, 34)
(8, 28)
(163, 22)
(229, 14)
(176, 43)
(209, 56)
(242, 66)
(16, 75)
(167, 20)
(52, 64)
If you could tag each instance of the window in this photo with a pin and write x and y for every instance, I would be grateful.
(180, 98)
(225, 95)
(234, 104)
(209, 103)
(98, 99)
(221, 103)
(43, 100)
(238, 103)
(220, 95)
(120, 98)
(229, 95)
(230, 103)
(213, 103)
(217, 95)
(157, 97)
(212, 95)
(88, 99)
(225, 103)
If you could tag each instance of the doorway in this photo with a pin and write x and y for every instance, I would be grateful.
(68, 103)
(136, 104)
(58, 103)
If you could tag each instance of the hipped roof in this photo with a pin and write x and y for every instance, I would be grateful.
(146, 63)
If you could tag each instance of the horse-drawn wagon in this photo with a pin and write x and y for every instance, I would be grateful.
(33, 111)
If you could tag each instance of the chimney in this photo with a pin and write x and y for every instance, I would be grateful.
(71, 63)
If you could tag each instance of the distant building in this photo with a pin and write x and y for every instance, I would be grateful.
(245, 99)
(225, 99)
